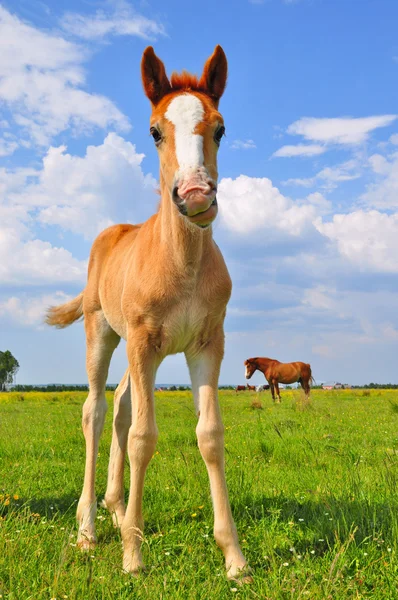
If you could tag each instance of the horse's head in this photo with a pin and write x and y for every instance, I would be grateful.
(187, 130)
(250, 367)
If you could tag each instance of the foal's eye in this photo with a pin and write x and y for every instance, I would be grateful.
(218, 135)
(155, 133)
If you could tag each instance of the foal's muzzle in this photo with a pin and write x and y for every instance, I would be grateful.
(195, 197)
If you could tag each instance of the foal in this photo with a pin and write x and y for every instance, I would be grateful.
(163, 286)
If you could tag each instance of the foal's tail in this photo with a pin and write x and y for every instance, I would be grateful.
(65, 314)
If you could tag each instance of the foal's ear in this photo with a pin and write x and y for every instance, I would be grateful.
(214, 77)
(154, 78)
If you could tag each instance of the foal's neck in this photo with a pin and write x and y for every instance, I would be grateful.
(187, 243)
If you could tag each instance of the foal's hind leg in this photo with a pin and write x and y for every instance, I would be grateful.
(114, 496)
(101, 342)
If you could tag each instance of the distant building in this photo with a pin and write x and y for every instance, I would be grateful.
(335, 385)
(328, 386)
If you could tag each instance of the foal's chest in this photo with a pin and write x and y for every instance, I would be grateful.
(184, 325)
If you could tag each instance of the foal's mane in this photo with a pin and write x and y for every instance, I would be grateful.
(185, 81)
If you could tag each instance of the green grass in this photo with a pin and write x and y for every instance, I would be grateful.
(313, 489)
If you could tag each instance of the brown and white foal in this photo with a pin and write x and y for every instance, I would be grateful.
(163, 286)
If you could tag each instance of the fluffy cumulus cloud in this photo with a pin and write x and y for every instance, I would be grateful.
(26, 260)
(79, 194)
(367, 239)
(250, 204)
(106, 182)
(42, 84)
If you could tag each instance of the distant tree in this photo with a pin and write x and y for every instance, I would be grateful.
(8, 368)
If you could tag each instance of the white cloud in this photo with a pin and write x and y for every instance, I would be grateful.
(41, 83)
(379, 164)
(394, 139)
(368, 240)
(33, 261)
(243, 145)
(300, 150)
(122, 21)
(322, 205)
(383, 193)
(249, 204)
(86, 194)
(7, 147)
(345, 130)
(80, 194)
(329, 177)
(25, 260)
(29, 310)
(328, 131)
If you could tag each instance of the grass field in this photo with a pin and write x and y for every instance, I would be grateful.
(313, 490)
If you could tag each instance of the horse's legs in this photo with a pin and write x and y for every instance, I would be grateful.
(101, 342)
(114, 496)
(277, 390)
(142, 437)
(305, 384)
(271, 387)
(204, 370)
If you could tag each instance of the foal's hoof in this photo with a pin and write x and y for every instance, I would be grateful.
(86, 544)
(133, 564)
(117, 514)
(135, 571)
(241, 575)
(242, 578)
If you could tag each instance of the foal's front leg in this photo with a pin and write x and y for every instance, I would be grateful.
(142, 438)
(204, 369)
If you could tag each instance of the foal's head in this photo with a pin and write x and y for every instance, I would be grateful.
(187, 130)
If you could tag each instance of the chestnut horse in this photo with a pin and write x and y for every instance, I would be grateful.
(163, 286)
(276, 372)
(240, 388)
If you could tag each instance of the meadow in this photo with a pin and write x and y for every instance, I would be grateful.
(313, 488)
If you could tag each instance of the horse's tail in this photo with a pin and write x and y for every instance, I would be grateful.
(311, 379)
(65, 314)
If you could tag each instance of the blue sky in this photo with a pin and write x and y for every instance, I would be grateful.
(308, 188)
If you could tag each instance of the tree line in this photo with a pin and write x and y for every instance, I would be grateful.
(9, 367)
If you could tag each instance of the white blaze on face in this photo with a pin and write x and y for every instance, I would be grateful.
(185, 112)
(247, 372)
